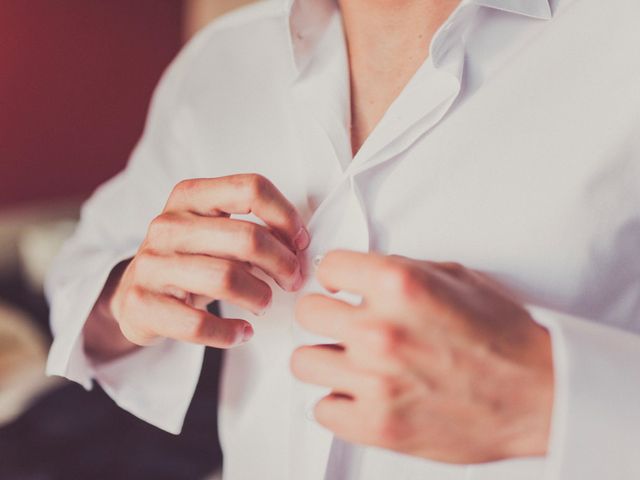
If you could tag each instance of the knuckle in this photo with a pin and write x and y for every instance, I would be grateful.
(387, 427)
(257, 185)
(131, 332)
(228, 277)
(131, 304)
(265, 296)
(252, 239)
(158, 223)
(331, 258)
(387, 339)
(209, 270)
(144, 263)
(196, 324)
(131, 312)
(454, 268)
(182, 190)
(224, 337)
(289, 266)
(402, 281)
(184, 186)
(162, 224)
(384, 387)
(135, 296)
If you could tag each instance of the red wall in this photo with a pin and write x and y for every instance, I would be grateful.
(75, 82)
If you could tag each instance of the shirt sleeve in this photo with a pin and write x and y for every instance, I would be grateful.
(155, 383)
(595, 428)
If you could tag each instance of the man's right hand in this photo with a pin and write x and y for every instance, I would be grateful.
(195, 253)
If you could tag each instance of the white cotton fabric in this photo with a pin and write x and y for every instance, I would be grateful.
(514, 149)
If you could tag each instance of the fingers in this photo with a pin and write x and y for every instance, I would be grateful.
(232, 239)
(241, 194)
(371, 342)
(340, 415)
(384, 421)
(155, 316)
(193, 253)
(328, 317)
(354, 272)
(204, 276)
(326, 366)
(391, 284)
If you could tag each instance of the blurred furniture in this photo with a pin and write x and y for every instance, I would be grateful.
(71, 434)
(17, 225)
(23, 350)
(52, 429)
(77, 78)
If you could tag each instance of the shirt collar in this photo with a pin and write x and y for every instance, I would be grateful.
(308, 19)
(531, 8)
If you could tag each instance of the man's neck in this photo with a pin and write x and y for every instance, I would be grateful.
(387, 41)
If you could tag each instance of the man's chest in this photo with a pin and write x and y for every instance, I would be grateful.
(531, 178)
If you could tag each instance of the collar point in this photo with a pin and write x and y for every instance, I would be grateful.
(540, 9)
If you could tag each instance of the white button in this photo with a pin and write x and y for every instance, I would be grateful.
(317, 259)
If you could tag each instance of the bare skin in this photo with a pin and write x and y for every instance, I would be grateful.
(437, 361)
(387, 42)
(405, 375)
(194, 253)
(379, 71)
(459, 372)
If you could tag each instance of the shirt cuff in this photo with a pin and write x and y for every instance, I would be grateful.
(595, 426)
(154, 383)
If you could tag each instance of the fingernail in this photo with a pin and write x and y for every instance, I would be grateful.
(247, 333)
(297, 283)
(265, 308)
(302, 239)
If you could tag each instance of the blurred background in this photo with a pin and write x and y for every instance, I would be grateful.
(76, 77)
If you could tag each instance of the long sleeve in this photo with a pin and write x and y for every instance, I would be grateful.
(154, 383)
(595, 430)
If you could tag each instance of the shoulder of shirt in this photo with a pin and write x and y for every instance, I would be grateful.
(623, 9)
(218, 47)
(628, 10)
(614, 27)
(234, 24)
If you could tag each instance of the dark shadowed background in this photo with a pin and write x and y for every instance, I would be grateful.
(76, 77)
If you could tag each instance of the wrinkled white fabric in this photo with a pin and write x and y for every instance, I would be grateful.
(514, 149)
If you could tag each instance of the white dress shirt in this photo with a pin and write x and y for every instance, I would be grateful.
(514, 149)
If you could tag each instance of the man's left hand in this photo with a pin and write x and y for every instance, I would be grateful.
(437, 360)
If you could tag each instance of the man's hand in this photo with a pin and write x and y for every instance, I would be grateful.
(437, 361)
(195, 253)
